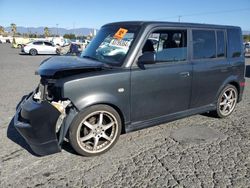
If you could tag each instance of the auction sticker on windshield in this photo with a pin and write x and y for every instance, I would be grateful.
(120, 33)
(120, 43)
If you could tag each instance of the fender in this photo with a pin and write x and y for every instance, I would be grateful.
(84, 103)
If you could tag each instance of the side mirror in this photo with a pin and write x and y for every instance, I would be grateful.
(146, 58)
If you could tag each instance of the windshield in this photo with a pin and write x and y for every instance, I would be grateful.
(111, 44)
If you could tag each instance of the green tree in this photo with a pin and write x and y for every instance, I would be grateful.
(1, 30)
(246, 38)
(13, 28)
(69, 36)
(46, 32)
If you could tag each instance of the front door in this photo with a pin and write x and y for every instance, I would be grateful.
(164, 87)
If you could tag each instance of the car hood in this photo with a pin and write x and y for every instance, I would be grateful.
(53, 65)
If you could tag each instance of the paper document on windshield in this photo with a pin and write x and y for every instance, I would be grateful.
(120, 43)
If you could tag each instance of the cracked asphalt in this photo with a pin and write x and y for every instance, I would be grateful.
(198, 151)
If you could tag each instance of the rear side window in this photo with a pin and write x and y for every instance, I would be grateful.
(204, 44)
(234, 43)
(221, 44)
(38, 43)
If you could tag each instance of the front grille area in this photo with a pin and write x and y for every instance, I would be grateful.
(49, 90)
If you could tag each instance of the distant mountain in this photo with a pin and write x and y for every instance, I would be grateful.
(53, 30)
(246, 32)
(62, 31)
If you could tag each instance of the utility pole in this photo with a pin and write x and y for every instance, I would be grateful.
(74, 28)
(57, 29)
(179, 18)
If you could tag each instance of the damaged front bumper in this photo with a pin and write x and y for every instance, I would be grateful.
(36, 122)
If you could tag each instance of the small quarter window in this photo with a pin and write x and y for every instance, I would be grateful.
(204, 44)
(234, 43)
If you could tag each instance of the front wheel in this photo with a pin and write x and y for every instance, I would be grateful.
(227, 101)
(95, 130)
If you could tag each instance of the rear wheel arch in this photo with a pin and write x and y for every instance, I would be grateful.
(226, 101)
(237, 85)
(232, 80)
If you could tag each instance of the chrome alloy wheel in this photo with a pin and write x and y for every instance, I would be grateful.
(228, 101)
(97, 131)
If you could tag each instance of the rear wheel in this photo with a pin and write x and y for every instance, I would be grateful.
(227, 101)
(33, 52)
(95, 130)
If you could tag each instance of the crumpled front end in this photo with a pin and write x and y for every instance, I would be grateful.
(39, 118)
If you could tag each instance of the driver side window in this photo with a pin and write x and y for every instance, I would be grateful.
(168, 45)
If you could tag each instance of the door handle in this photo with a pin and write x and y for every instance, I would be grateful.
(184, 74)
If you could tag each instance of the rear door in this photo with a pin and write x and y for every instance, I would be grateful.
(38, 45)
(164, 87)
(49, 48)
(210, 66)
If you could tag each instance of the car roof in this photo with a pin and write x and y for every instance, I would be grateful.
(171, 24)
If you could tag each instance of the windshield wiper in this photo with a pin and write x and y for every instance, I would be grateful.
(90, 57)
(105, 65)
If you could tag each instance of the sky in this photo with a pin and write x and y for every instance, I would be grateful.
(95, 13)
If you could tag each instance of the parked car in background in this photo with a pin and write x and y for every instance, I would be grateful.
(75, 49)
(19, 41)
(247, 47)
(90, 100)
(40, 47)
(7, 39)
(60, 41)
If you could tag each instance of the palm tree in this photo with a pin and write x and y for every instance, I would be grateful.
(1, 30)
(46, 32)
(13, 28)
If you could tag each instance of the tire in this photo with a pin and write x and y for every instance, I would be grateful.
(226, 102)
(95, 130)
(33, 52)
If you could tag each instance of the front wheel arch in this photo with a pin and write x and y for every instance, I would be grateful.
(116, 108)
(74, 128)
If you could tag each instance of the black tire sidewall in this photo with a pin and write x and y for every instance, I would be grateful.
(218, 113)
(78, 119)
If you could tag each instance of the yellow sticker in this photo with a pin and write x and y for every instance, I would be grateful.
(120, 33)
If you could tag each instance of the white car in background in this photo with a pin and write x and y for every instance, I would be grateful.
(60, 41)
(40, 47)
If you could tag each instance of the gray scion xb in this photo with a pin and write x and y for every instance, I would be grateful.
(131, 76)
